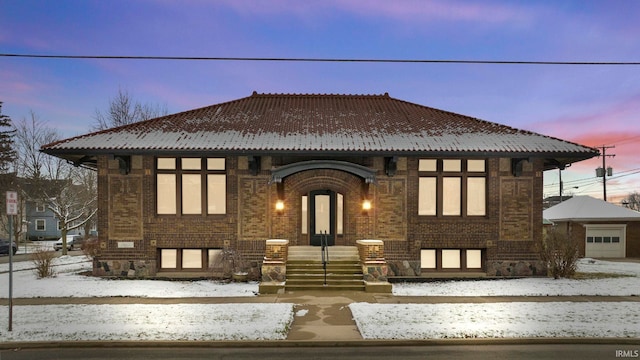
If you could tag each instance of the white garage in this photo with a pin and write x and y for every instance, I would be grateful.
(605, 241)
(608, 228)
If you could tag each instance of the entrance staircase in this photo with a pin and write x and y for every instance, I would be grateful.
(305, 270)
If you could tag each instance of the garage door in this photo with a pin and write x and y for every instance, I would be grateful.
(606, 241)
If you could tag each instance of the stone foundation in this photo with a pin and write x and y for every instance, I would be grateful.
(274, 271)
(404, 268)
(516, 268)
(124, 268)
(375, 271)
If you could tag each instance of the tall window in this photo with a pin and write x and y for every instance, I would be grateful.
(452, 187)
(191, 186)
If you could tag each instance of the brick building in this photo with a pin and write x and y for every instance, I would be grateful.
(445, 192)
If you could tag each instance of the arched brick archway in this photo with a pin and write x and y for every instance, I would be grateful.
(347, 184)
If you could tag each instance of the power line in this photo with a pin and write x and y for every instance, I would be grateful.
(303, 59)
(592, 179)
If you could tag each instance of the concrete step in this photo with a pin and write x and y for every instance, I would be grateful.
(344, 269)
(320, 281)
(311, 253)
(325, 288)
(305, 270)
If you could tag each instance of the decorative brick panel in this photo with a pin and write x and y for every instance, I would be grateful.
(254, 202)
(391, 209)
(516, 205)
(125, 207)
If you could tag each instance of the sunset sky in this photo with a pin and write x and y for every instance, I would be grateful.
(588, 104)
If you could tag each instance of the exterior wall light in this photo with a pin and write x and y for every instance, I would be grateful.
(279, 206)
(366, 205)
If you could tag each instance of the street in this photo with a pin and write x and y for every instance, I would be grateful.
(279, 350)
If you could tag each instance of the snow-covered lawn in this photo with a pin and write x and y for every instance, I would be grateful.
(497, 320)
(260, 321)
(628, 285)
(68, 283)
(148, 322)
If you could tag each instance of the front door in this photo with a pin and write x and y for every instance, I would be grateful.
(322, 217)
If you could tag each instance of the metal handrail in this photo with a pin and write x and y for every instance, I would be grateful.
(324, 248)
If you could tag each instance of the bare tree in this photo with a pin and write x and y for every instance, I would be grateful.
(32, 164)
(88, 190)
(73, 208)
(65, 189)
(632, 201)
(123, 110)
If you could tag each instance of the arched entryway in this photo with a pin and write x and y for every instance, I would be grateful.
(324, 202)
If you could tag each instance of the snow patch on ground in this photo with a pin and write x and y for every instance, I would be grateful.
(536, 286)
(69, 283)
(268, 321)
(497, 320)
(148, 322)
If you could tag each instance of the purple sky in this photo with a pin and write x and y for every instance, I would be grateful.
(591, 105)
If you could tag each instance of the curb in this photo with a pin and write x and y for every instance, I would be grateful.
(320, 343)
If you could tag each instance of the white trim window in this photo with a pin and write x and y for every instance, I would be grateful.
(41, 225)
(40, 208)
(191, 186)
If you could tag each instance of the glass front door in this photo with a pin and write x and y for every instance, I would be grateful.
(322, 217)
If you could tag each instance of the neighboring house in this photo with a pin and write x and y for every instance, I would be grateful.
(445, 192)
(41, 222)
(603, 229)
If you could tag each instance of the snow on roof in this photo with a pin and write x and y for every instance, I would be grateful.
(587, 208)
(320, 123)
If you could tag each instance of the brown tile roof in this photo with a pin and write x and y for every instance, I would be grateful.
(330, 124)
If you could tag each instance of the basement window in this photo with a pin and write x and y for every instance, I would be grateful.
(188, 259)
(451, 259)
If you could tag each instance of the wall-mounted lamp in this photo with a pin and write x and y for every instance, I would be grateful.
(366, 205)
(280, 201)
(279, 206)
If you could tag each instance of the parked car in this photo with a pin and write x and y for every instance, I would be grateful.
(4, 247)
(73, 241)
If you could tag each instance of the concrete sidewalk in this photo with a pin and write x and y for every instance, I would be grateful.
(323, 315)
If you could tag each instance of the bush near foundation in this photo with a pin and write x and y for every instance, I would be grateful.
(561, 253)
(90, 247)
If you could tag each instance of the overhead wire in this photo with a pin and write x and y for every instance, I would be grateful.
(305, 59)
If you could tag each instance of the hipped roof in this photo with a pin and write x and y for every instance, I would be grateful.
(264, 124)
(587, 208)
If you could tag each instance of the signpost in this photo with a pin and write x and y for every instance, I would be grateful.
(12, 210)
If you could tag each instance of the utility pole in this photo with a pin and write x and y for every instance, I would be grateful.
(605, 171)
(560, 178)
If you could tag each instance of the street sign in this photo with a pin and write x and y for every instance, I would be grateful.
(12, 203)
(12, 209)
